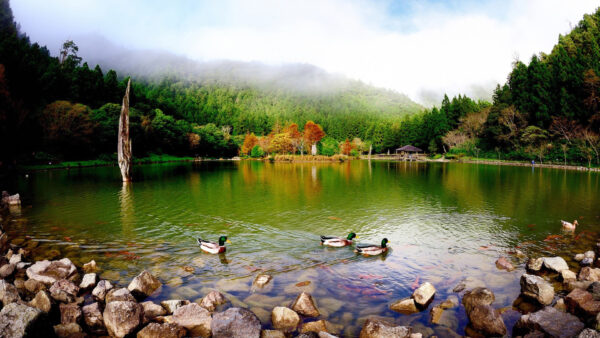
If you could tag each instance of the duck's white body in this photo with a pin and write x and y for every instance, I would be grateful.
(370, 249)
(211, 247)
(333, 241)
(569, 226)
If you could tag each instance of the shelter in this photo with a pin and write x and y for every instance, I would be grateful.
(409, 149)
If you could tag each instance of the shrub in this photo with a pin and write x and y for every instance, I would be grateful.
(257, 152)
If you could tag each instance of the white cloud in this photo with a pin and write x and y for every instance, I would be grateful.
(425, 49)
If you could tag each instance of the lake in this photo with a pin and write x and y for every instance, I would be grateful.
(444, 221)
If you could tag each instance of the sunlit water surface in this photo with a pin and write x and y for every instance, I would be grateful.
(444, 221)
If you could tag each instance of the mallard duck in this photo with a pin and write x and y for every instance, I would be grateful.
(372, 249)
(212, 247)
(338, 241)
(569, 226)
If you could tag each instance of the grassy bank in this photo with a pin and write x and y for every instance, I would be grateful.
(103, 163)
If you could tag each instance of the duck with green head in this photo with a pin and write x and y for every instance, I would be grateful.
(372, 249)
(338, 241)
(212, 247)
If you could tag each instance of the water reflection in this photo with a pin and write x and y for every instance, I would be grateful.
(127, 211)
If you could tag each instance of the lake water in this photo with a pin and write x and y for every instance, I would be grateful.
(445, 222)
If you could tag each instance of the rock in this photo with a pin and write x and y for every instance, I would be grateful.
(236, 323)
(586, 261)
(560, 305)
(8, 293)
(7, 270)
(90, 267)
(305, 305)
(121, 294)
(582, 303)
(589, 333)
(15, 259)
(64, 291)
(537, 288)
(589, 274)
(212, 300)
(69, 330)
(374, 328)
(144, 284)
(70, 313)
(568, 275)
(589, 254)
(405, 306)
(48, 272)
(556, 264)
(572, 285)
(171, 305)
(41, 301)
(22, 265)
(309, 334)
(484, 319)
(152, 310)
(166, 330)
(20, 320)
(424, 294)
(503, 264)
(89, 281)
(92, 315)
(194, 318)
(551, 322)
(450, 302)
(579, 257)
(477, 296)
(534, 264)
(436, 314)
(271, 334)
(261, 281)
(122, 317)
(34, 286)
(284, 318)
(316, 326)
(594, 289)
(101, 289)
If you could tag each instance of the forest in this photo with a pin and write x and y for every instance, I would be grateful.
(58, 108)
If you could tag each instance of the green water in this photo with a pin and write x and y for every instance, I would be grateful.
(445, 221)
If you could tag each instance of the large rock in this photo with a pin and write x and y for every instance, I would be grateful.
(484, 319)
(89, 281)
(41, 301)
(121, 294)
(8, 293)
(64, 291)
(7, 270)
(316, 326)
(92, 315)
(537, 288)
(305, 305)
(405, 306)
(70, 313)
(551, 322)
(33, 286)
(568, 275)
(212, 300)
(173, 304)
(122, 317)
(15, 259)
(589, 274)
(589, 333)
(152, 310)
(374, 328)
(20, 320)
(143, 285)
(70, 330)
(165, 330)
(48, 272)
(535, 264)
(194, 318)
(504, 264)
(477, 296)
(582, 303)
(235, 323)
(284, 318)
(100, 291)
(556, 264)
(424, 294)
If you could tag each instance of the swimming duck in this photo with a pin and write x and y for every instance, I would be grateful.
(569, 226)
(338, 241)
(372, 249)
(212, 247)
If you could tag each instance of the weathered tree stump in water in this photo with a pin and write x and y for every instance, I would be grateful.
(124, 145)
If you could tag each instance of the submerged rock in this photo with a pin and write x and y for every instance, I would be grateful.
(144, 284)
(467, 284)
(212, 300)
(305, 305)
(235, 323)
(284, 318)
(19, 320)
(374, 328)
(484, 319)
(424, 294)
(551, 322)
(503, 264)
(48, 272)
(122, 317)
(405, 306)
(537, 288)
(477, 296)
(165, 330)
(261, 281)
(194, 318)
(90, 267)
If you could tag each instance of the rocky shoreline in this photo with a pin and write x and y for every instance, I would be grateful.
(58, 298)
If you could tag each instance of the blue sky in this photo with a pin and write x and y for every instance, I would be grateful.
(421, 48)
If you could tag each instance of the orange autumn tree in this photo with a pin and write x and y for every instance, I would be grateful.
(313, 133)
(347, 147)
(295, 137)
(249, 142)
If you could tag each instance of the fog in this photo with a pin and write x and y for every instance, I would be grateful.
(421, 48)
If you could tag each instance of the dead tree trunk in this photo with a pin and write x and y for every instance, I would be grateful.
(124, 145)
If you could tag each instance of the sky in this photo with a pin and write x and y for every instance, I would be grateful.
(421, 48)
